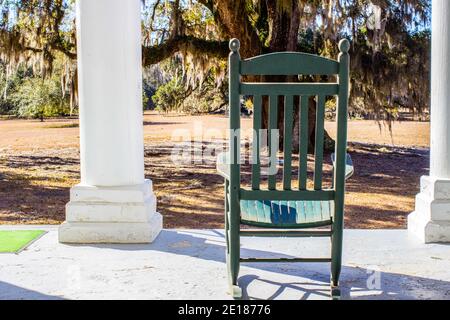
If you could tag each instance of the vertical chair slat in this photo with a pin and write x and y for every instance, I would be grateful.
(256, 157)
(318, 152)
(287, 140)
(304, 141)
(273, 124)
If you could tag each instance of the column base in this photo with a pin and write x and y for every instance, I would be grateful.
(430, 221)
(125, 214)
(98, 232)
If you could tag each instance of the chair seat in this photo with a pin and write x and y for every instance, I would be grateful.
(286, 214)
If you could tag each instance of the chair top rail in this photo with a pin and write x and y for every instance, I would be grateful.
(288, 63)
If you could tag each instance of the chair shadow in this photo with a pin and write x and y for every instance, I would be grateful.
(313, 277)
(7, 290)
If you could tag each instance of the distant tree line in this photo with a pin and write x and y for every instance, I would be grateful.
(185, 46)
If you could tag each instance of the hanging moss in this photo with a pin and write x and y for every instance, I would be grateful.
(389, 45)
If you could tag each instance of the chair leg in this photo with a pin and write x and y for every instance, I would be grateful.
(227, 209)
(233, 273)
(232, 226)
(233, 257)
(336, 262)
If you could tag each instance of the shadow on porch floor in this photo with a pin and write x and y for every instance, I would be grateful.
(190, 264)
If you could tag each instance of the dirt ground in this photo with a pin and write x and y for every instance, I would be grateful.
(39, 162)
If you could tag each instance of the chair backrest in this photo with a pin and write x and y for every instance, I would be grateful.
(289, 64)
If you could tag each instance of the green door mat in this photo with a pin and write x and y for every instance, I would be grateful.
(13, 241)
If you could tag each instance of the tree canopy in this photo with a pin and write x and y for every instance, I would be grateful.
(390, 42)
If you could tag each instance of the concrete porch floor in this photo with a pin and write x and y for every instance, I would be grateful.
(189, 264)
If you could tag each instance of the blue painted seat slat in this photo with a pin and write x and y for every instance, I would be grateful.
(279, 214)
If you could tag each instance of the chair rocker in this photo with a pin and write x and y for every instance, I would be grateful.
(286, 211)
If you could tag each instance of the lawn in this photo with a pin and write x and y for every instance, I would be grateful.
(39, 162)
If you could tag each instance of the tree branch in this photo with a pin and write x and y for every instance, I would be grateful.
(55, 46)
(155, 54)
(152, 19)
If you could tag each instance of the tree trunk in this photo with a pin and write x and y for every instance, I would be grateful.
(284, 28)
(232, 18)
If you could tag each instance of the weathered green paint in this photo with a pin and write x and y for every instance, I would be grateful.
(235, 179)
(288, 210)
(286, 233)
(296, 226)
(318, 150)
(281, 213)
(289, 63)
(304, 142)
(340, 165)
(256, 156)
(285, 89)
(287, 195)
(273, 145)
(287, 147)
(227, 210)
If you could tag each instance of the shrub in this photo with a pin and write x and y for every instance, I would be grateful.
(37, 98)
(169, 96)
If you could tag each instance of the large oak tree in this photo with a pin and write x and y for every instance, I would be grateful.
(389, 40)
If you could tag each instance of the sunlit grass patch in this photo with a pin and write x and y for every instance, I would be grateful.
(13, 241)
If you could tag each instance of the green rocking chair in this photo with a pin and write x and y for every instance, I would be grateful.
(286, 211)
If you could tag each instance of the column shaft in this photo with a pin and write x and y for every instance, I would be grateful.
(440, 90)
(110, 91)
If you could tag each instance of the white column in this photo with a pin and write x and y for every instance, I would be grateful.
(113, 203)
(431, 219)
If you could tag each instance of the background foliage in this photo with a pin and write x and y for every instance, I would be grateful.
(185, 50)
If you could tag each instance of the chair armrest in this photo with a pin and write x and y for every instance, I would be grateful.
(223, 165)
(349, 168)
